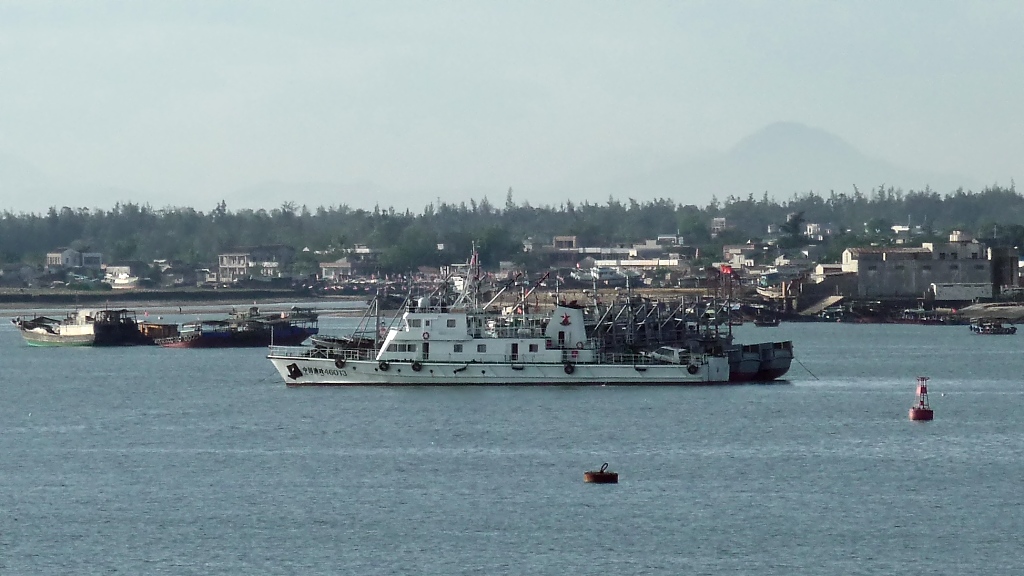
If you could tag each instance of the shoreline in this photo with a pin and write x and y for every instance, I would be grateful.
(172, 302)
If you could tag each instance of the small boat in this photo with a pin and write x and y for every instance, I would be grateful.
(602, 476)
(991, 326)
(766, 321)
(930, 317)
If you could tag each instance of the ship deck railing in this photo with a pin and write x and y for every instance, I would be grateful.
(323, 352)
(370, 354)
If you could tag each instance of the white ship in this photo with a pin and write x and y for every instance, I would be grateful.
(436, 344)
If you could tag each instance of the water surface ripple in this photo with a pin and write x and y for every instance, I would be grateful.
(156, 461)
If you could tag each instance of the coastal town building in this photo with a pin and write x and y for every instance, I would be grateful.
(898, 271)
(719, 225)
(258, 262)
(68, 258)
(740, 255)
(359, 260)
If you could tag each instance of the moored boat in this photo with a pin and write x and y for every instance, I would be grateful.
(74, 330)
(84, 328)
(455, 341)
(249, 329)
(451, 345)
(991, 326)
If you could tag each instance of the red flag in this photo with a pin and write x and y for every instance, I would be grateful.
(726, 269)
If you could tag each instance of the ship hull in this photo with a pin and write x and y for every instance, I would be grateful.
(84, 328)
(762, 362)
(237, 340)
(776, 358)
(298, 371)
(746, 369)
(36, 339)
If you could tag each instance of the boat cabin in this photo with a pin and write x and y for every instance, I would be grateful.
(439, 333)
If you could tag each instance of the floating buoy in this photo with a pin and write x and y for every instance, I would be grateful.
(602, 476)
(921, 410)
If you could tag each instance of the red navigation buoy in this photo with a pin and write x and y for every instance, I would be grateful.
(602, 476)
(921, 410)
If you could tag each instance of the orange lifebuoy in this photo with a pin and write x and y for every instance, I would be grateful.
(426, 335)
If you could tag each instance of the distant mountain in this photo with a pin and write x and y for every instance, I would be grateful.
(780, 159)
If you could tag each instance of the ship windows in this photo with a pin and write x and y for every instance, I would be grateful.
(457, 348)
(481, 348)
(534, 348)
(451, 322)
(415, 322)
(401, 347)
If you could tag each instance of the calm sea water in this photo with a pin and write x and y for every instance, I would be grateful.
(154, 461)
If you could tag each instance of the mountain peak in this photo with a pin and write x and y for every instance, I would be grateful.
(792, 140)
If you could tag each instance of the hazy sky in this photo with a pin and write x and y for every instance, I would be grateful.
(185, 103)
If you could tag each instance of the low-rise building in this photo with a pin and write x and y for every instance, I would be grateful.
(68, 258)
(257, 262)
(886, 271)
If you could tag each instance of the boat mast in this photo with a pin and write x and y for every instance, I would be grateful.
(377, 322)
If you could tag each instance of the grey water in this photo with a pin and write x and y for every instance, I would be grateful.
(161, 461)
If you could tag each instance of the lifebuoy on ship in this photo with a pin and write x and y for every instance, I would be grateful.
(383, 365)
(569, 368)
(426, 335)
(339, 362)
(692, 369)
(416, 366)
(579, 345)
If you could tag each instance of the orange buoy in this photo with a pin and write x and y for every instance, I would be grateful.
(921, 410)
(602, 476)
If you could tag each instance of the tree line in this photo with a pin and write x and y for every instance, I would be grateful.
(131, 231)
